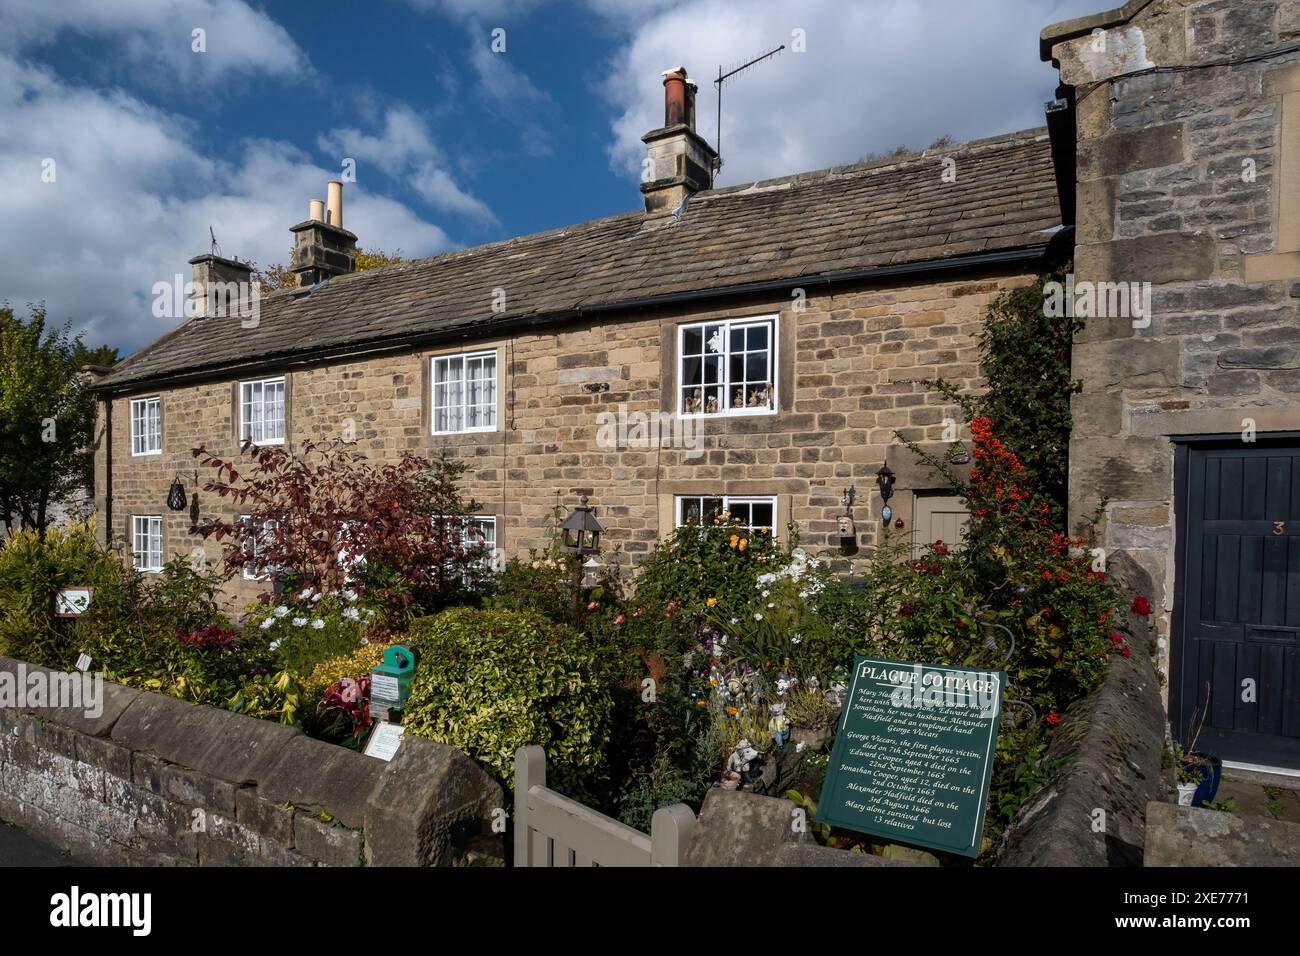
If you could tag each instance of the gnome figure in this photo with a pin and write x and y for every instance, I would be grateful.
(778, 724)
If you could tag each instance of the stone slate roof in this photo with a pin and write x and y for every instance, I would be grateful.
(833, 221)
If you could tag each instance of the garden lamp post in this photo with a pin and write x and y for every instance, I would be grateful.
(580, 537)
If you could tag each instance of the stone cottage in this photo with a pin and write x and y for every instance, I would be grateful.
(1187, 177)
(776, 333)
(750, 349)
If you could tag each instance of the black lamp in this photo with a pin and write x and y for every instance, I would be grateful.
(885, 479)
(176, 497)
(581, 531)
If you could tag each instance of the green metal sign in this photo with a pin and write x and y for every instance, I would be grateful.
(914, 753)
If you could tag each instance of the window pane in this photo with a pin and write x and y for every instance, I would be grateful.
(737, 340)
(712, 369)
(756, 337)
(760, 515)
(715, 339)
(692, 371)
(756, 367)
(693, 341)
(712, 507)
(690, 511)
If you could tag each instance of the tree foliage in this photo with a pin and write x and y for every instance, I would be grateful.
(47, 416)
(329, 519)
(1025, 358)
(277, 274)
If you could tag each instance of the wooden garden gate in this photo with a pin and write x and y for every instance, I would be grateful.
(552, 830)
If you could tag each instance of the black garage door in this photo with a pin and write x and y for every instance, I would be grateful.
(1236, 664)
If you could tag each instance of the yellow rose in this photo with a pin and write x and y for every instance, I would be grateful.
(712, 602)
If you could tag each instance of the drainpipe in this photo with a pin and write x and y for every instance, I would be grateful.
(108, 472)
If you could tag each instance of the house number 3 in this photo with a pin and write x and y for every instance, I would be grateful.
(1279, 527)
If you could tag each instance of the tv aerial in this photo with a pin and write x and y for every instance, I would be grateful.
(722, 78)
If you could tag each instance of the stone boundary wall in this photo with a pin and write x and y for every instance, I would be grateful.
(1108, 749)
(158, 781)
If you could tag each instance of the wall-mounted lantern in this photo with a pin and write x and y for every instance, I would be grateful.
(885, 479)
(176, 497)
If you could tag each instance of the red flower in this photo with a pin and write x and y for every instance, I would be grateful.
(1116, 637)
(939, 547)
(1053, 718)
(620, 619)
(1047, 575)
(1141, 606)
(1125, 651)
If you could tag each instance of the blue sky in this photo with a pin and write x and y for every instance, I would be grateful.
(454, 144)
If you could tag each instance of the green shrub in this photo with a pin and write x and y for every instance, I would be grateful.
(31, 571)
(167, 634)
(541, 584)
(307, 627)
(661, 786)
(490, 682)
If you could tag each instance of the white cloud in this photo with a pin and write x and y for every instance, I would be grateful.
(405, 150)
(133, 199)
(876, 74)
(156, 36)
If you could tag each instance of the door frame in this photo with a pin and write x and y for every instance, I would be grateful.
(1183, 446)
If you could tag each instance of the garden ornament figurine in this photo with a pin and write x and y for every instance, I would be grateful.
(735, 691)
(839, 686)
(779, 725)
(784, 684)
(743, 766)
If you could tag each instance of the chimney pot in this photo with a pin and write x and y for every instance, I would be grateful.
(676, 111)
(334, 203)
(316, 210)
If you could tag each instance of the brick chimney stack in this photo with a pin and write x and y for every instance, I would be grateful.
(323, 249)
(679, 159)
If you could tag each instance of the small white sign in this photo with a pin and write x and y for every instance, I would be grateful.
(384, 740)
(383, 686)
(83, 663)
(72, 602)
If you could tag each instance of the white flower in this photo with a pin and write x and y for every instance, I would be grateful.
(735, 620)
(299, 621)
(281, 611)
(758, 617)
(266, 625)
(352, 614)
(318, 625)
(798, 747)
(800, 555)
(770, 604)
(766, 578)
(766, 593)
(349, 594)
(796, 639)
(274, 644)
(316, 597)
(306, 593)
(722, 641)
(369, 614)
